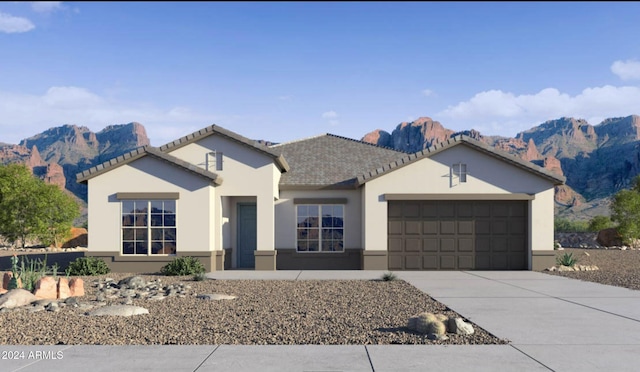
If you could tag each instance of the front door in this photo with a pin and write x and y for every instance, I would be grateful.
(247, 235)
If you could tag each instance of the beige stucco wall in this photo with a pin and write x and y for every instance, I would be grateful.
(285, 211)
(246, 172)
(486, 175)
(145, 175)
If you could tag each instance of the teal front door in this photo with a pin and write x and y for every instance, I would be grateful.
(247, 235)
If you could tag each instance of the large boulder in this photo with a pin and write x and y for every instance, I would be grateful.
(609, 238)
(16, 298)
(46, 288)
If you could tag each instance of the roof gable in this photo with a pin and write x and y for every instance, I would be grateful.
(215, 129)
(330, 161)
(454, 141)
(140, 152)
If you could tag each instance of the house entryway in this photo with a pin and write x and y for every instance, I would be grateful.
(247, 235)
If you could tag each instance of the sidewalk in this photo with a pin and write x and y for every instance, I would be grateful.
(553, 323)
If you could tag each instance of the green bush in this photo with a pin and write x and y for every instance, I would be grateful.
(183, 266)
(598, 223)
(566, 260)
(567, 226)
(88, 266)
(389, 277)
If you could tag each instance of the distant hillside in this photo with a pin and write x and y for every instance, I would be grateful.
(597, 161)
(57, 154)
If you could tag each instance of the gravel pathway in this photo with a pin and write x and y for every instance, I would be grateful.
(265, 312)
(618, 268)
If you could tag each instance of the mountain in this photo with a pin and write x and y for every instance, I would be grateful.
(57, 154)
(597, 160)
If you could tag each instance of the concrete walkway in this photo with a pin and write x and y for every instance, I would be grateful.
(553, 323)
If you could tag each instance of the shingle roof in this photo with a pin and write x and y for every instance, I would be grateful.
(215, 129)
(138, 153)
(330, 161)
(457, 140)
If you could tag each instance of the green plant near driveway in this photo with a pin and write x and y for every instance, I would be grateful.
(87, 266)
(389, 277)
(183, 266)
(566, 260)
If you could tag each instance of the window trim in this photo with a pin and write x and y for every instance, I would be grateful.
(216, 161)
(149, 228)
(319, 240)
(459, 174)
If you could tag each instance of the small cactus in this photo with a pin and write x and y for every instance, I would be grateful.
(412, 323)
(443, 318)
(13, 283)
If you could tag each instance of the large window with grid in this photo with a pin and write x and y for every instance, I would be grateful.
(320, 228)
(148, 227)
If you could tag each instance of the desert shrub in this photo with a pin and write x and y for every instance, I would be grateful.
(625, 210)
(389, 277)
(567, 226)
(598, 223)
(199, 277)
(87, 266)
(566, 260)
(183, 266)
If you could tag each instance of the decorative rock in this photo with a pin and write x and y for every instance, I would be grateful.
(216, 296)
(133, 282)
(460, 327)
(46, 288)
(63, 288)
(118, 310)
(16, 298)
(53, 306)
(76, 287)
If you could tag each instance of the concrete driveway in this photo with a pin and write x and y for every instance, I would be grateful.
(553, 323)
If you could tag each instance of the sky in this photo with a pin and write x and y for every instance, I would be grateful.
(282, 71)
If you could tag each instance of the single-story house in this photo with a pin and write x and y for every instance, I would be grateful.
(325, 202)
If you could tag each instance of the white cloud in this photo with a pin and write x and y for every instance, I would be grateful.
(10, 24)
(504, 113)
(46, 6)
(329, 115)
(626, 70)
(24, 115)
(427, 93)
(285, 98)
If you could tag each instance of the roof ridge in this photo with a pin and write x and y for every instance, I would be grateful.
(340, 137)
(367, 143)
(298, 140)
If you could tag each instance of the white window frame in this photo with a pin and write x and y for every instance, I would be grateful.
(320, 228)
(214, 160)
(149, 228)
(458, 172)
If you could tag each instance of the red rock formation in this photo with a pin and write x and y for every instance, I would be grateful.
(552, 164)
(532, 152)
(35, 160)
(55, 175)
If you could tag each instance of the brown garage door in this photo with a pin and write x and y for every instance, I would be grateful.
(457, 235)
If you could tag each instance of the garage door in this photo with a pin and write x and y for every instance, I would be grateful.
(457, 235)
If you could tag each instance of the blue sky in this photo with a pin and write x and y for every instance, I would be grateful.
(284, 71)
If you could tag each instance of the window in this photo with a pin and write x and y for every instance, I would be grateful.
(148, 227)
(458, 173)
(214, 161)
(320, 228)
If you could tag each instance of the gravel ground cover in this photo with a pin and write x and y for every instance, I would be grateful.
(618, 268)
(265, 312)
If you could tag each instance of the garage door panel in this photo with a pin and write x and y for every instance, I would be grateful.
(396, 245)
(413, 245)
(395, 262)
(430, 227)
(446, 209)
(447, 227)
(483, 245)
(483, 227)
(465, 262)
(447, 245)
(517, 261)
(413, 262)
(411, 210)
(500, 210)
(412, 227)
(394, 210)
(499, 227)
(518, 210)
(465, 245)
(430, 244)
(483, 262)
(465, 227)
(465, 210)
(429, 210)
(447, 262)
(430, 262)
(499, 244)
(395, 227)
(499, 262)
(482, 209)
